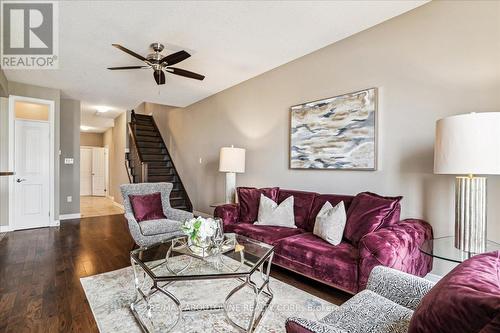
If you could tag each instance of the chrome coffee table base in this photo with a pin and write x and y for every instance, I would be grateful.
(147, 322)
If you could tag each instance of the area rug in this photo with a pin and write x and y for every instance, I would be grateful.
(110, 295)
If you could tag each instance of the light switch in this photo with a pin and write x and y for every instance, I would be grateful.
(68, 161)
(69, 198)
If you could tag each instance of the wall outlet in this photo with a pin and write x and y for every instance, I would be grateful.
(69, 161)
(69, 198)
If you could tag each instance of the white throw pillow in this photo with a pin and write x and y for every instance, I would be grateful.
(330, 223)
(272, 214)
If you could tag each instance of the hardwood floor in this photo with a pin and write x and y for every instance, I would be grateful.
(40, 290)
(98, 206)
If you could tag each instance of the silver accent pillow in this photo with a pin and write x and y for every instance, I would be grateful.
(330, 223)
(272, 214)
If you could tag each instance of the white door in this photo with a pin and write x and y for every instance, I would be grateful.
(86, 171)
(98, 172)
(32, 167)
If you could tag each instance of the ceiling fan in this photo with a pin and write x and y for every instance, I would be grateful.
(158, 63)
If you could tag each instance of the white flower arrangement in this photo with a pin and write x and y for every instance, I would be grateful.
(199, 229)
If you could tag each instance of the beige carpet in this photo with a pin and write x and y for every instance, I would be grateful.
(110, 295)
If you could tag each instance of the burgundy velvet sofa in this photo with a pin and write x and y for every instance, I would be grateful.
(373, 236)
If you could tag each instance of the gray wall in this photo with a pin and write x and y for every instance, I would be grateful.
(440, 59)
(4, 161)
(4, 85)
(27, 90)
(4, 189)
(70, 148)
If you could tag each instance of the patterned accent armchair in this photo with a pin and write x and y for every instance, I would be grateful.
(149, 232)
(385, 306)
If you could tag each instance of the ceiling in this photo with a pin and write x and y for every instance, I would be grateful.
(97, 118)
(230, 42)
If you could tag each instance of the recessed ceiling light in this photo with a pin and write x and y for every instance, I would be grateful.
(102, 109)
(84, 128)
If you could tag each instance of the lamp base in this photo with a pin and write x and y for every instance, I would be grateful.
(230, 187)
(470, 214)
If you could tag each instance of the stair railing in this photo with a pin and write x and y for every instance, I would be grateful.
(137, 160)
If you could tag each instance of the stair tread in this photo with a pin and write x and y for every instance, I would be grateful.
(160, 166)
(144, 116)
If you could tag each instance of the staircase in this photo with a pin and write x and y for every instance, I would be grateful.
(148, 160)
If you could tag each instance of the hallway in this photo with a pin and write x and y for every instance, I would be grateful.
(98, 206)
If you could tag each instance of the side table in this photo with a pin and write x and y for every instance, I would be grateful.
(444, 248)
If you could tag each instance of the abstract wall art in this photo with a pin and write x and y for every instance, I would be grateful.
(336, 133)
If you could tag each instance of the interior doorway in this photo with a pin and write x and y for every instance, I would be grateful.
(93, 171)
(94, 183)
(31, 156)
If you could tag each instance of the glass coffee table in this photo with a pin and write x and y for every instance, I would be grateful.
(160, 267)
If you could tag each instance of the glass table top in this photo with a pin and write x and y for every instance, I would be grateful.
(174, 259)
(444, 248)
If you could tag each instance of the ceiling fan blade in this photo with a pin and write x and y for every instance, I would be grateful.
(127, 67)
(132, 53)
(183, 72)
(175, 58)
(159, 77)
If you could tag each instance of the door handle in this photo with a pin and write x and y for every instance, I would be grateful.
(20, 180)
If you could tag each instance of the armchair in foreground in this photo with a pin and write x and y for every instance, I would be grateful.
(149, 232)
(466, 300)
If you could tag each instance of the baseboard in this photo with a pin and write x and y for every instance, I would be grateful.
(63, 217)
(5, 228)
(197, 213)
(55, 223)
(433, 277)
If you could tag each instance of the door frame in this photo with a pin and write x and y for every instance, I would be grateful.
(11, 119)
(90, 148)
(106, 168)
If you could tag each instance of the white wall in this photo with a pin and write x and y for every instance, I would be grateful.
(115, 139)
(440, 59)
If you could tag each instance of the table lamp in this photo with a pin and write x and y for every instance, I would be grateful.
(232, 160)
(469, 145)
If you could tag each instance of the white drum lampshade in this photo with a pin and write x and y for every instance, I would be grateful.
(231, 161)
(469, 144)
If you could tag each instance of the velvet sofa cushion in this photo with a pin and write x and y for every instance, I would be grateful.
(265, 233)
(310, 255)
(303, 202)
(320, 200)
(369, 212)
(147, 207)
(249, 199)
(466, 300)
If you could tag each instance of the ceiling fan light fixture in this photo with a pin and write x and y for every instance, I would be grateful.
(157, 62)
